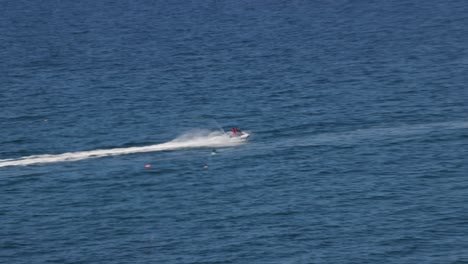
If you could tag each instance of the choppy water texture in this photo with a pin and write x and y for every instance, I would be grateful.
(357, 112)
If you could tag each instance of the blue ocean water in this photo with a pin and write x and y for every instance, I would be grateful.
(357, 112)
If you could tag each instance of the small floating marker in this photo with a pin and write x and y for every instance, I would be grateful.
(148, 166)
(213, 152)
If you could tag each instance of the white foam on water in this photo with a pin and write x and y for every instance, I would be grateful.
(198, 139)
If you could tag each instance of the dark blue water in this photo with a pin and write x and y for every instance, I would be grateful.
(357, 112)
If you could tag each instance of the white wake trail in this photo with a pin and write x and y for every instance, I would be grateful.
(189, 140)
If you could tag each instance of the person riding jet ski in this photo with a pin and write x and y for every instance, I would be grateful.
(238, 134)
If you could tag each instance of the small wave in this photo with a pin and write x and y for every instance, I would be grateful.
(378, 133)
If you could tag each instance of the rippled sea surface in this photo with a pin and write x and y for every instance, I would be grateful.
(357, 112)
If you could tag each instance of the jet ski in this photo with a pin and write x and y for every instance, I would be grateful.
(239, 134)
